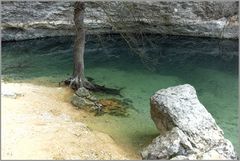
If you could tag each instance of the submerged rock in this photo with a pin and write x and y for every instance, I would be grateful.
(81, 102)
(187, 129)
(83, 99)
(114, 107)
(83, 92)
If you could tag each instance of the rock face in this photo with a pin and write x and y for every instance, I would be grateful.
(28, 20)
(187, 129)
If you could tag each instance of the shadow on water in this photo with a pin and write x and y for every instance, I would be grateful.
(146, 139)
(210, 65)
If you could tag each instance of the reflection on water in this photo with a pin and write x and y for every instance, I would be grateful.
(210, 65)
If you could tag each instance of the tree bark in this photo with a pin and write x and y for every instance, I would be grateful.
(79, 44)
(78, 78)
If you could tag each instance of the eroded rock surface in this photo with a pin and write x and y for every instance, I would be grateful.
(187, 129)
(83, 99)
(28, 20)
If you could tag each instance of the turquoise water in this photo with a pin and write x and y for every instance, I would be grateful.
(210, 65)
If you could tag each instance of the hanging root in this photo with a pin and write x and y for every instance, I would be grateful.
(76, 83)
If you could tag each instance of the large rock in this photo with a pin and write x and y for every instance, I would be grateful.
(27, 20)
(187, 129)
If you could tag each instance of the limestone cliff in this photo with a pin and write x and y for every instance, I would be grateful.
(28, 20)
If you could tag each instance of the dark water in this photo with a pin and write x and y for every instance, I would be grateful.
(210, 65)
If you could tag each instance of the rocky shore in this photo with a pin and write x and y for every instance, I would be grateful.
(40, 123)
(48, 122)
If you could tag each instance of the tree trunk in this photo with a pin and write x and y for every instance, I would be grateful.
(78, 78)
(79, 45)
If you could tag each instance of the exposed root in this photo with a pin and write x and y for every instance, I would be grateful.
(107, 90)
(76, 83)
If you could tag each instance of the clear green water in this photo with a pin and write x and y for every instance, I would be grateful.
(207, 64)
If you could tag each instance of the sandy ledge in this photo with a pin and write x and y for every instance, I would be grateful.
(38, 122)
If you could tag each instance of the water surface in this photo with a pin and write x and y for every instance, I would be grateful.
(210, 65)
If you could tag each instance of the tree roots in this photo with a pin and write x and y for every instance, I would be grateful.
(76, 83)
